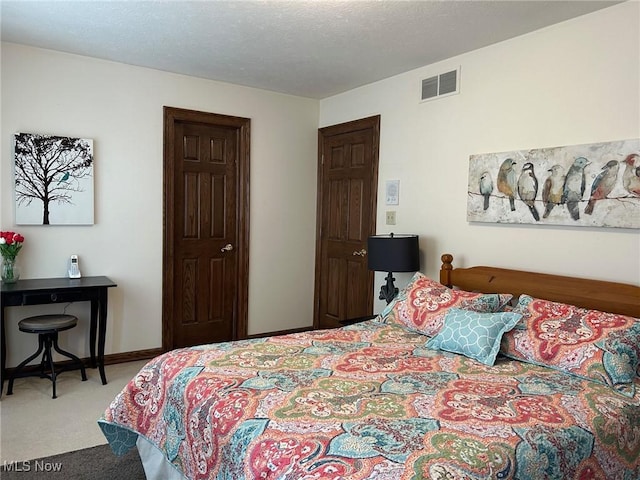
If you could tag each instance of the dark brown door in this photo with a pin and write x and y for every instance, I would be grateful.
(206, 228)
(347, 193)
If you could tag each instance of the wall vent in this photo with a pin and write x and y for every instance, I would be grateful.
(445, 84)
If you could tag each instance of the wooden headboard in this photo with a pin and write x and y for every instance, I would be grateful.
(613, 297)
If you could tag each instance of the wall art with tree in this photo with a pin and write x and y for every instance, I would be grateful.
(53, 180)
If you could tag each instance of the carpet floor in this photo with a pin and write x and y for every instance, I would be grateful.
(95, 463)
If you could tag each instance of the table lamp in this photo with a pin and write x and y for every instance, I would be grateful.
(392, 253)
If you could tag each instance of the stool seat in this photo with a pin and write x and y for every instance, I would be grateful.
(47, 328)
(47, 323)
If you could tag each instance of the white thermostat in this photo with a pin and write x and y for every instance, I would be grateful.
(392, 192)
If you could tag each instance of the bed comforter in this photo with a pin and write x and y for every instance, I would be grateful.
(371, 401)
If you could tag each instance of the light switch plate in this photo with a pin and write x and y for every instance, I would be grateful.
(391, 217)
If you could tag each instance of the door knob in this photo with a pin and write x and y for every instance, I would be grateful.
(360, 253)
(228, 247)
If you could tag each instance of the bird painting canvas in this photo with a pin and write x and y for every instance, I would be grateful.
(53, 178)
(590, 185)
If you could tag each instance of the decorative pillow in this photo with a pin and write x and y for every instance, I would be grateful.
(423, 303)
(475, 335)
(599, 346)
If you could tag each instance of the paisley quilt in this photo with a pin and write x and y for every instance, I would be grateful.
(370, 401)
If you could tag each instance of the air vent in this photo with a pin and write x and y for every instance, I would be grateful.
(429, 88)
(441, 85)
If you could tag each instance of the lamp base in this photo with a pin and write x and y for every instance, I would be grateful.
(388, 291)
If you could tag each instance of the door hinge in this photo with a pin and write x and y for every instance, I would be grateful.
(322, 159)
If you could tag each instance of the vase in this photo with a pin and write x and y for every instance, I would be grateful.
(9, 272)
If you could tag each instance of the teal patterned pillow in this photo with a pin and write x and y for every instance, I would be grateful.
(475, 335)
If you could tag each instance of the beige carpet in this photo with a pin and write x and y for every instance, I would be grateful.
(33, 425)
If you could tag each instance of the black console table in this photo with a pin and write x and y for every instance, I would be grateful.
(60, 290)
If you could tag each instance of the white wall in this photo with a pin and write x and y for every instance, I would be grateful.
(120, 108)
(576, 82)
(573, 83)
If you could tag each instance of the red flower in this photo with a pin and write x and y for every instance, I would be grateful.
(10, 244)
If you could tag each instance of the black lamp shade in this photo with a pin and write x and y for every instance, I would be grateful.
(393, 253)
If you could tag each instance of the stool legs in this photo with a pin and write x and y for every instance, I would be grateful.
(69, 355)
(48, 358)
(21, 366)
(47, 341)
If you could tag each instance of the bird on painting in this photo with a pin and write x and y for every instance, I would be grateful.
(552, 189)
(507, 181)
(603, 184)
(486, 187)
(64, 178)
(528, 188)
(573, 188)
(631, 175)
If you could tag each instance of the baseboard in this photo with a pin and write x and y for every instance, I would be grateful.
(124, 357)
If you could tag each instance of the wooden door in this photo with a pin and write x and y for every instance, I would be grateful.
(347, 194)
(205, 264)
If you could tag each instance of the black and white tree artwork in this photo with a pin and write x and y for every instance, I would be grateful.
(53, 180)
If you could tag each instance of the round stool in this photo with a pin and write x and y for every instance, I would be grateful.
(47, 328)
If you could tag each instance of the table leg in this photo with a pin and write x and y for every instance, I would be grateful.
(92, 332)
(3, 351)
(102, 332)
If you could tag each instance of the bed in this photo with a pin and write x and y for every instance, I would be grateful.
(489, 373)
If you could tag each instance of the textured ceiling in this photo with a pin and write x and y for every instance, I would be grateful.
(309, 48)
